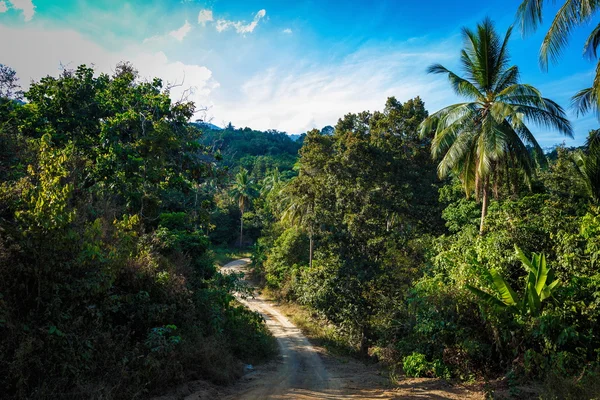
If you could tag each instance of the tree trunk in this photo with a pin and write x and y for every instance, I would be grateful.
(241, 229)
(484, 205)
(364, 343)
(310, 250)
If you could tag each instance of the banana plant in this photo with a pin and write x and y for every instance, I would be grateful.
(539, 286)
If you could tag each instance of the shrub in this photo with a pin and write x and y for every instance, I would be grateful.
(416, 365)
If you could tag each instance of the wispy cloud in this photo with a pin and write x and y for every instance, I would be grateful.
(180, 33)
(25, 6)
(312, 94)
(205, 16)
(288, 31)
(240, 26)
(177, 34)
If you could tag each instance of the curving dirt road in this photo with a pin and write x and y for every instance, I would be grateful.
(306, 372)
(300, 370)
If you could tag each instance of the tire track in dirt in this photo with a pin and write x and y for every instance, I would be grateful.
(300, 368)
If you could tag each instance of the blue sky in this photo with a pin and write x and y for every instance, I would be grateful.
(286, 65)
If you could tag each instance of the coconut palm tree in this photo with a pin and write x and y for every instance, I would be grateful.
(475, 139)
(242, 191)
(571, 14)
(271, 182)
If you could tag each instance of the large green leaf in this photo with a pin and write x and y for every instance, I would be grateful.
(533, 300)
(486, 297)
(542, 275)
(525, 260)
(507, 294)
(549, 289)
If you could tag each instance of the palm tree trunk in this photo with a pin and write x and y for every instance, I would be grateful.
(484, 206)
(310, 250)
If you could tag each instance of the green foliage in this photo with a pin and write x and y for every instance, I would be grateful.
(362, 197)
(256, 151)
(588, 164)
(539, 286)
(107, 287)
(416, 365)
(388, 276)
(288, 254)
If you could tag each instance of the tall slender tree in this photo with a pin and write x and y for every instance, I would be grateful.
(571, 14)
(242, 191)
(475, 138)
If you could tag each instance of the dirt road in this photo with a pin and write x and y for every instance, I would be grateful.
(306, 372)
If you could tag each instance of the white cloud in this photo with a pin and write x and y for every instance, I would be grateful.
(240, 26)
(177, 34)
(47, 49)
(312, 95)
(288, 31)
(180, 33)
(26, 7)
(3, 7)
(205, 16)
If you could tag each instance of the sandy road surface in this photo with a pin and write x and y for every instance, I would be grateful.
(306, 372)
(300, 371)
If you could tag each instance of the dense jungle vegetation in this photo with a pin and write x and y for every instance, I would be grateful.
(108, 287)
(489, 271)
(445, 244)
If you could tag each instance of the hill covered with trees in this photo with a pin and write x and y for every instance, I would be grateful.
(257, 151)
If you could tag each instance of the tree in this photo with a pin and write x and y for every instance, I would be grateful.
(300, 197)
(242, 191)
(477, 137)
(9, 84)
(571, 14)
(588, 164)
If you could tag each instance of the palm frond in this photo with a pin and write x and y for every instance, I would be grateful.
(529, 15)
(457, 151)
(589, 99)
(547, 118)
(507, 79)
(461, 86)
(590, 49)
(570, 14)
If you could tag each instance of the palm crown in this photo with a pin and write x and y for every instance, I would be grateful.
(476, 137)
(243, 190)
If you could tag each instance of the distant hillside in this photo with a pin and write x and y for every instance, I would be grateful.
(257, 151)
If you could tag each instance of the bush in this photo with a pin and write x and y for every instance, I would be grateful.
(416, 365)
